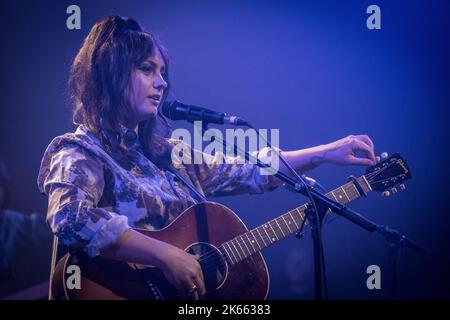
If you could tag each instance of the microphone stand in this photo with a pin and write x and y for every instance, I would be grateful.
(315, 218)
(396, 242)
(314, 215)
(320, 203)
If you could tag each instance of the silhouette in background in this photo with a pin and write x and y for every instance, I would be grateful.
(25, 244)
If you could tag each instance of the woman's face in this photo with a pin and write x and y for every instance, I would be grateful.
(147, 88)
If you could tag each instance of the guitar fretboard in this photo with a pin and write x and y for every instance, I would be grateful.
(250, 242)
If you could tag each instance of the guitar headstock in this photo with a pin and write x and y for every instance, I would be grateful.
(388, 173)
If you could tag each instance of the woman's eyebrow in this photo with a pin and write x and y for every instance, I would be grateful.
(154, 64)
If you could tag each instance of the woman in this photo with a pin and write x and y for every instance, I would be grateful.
(111, 174)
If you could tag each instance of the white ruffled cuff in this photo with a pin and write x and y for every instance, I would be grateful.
(109, 233)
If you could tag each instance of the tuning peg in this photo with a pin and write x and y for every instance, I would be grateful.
(378, 159)
(394, 190)
(386, 193)
(402, 186)
(384, 155)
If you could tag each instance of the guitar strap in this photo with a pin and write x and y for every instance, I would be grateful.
(200, 215)
(202, 223)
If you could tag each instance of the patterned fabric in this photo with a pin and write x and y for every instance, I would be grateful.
(97, 191)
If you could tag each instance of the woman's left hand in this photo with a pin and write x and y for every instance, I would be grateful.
(343, 151)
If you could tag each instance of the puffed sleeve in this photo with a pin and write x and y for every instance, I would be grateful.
(221, 174)
(74, 183)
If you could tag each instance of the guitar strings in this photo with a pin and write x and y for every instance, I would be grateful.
(241, 242)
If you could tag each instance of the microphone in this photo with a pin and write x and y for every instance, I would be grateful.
(175, 110)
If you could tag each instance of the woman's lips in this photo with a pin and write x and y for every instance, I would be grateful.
(153, 100)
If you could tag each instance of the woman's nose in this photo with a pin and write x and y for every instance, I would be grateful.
(160, 83)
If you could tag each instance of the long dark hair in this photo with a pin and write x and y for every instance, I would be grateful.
(100, 78)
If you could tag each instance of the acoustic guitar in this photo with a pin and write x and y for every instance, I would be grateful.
(230, 254)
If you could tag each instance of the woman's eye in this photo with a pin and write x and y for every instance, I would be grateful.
(146, 69)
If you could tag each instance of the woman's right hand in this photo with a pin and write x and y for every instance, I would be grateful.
(184, 272)
(180, 268)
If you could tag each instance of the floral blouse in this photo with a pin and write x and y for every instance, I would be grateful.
(96, 192)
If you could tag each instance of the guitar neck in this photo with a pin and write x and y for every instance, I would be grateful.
(250, 242)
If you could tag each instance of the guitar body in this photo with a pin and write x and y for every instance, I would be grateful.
(200, 229)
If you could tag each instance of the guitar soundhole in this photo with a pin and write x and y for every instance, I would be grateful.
(213, 264)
